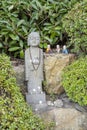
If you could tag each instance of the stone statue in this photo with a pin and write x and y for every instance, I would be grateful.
(34, 70)
(58, 48)
(65, 51)
(48, 50)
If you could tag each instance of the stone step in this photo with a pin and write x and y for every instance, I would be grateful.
(35, 98)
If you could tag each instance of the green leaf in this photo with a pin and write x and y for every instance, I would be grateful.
(11, 7)
(24, 29)
(14, 37)
(4, 32)
(14, 49)
(45, 45)
(34, 6)
(58, 28)
(1, 45)
(41, 45)
(21, 54)
(20, 22)
(38, 4)
(48, 39)
(21, 43)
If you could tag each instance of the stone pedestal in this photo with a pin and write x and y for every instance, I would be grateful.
(36, 98)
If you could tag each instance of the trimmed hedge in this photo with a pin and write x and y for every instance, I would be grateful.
(75, 24)
(14, 112)
(75, 81)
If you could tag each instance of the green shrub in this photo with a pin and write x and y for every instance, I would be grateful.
(19, 17)
(75, 24)
(14, 112)
(75, 81)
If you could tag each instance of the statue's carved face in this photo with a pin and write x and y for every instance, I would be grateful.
(34, 39)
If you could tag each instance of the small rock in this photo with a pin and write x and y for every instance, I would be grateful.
(50, 103)
(66, 100)
(58, 103)
(68, 105)
(79, 108)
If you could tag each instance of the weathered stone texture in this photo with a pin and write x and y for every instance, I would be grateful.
(53, 66)
(66, 119)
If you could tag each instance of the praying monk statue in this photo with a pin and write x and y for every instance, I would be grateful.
(34, 72)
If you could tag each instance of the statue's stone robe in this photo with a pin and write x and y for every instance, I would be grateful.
(34, 77)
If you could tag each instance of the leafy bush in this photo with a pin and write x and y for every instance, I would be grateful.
(14, 26)
(14, 112)
(75, 81)
(75, 24)
(18, 18)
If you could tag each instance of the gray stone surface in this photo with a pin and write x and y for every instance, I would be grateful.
(50, 103)
(39, 108)
(58, 103)
(65, 119)
(19, 74)
(36, 98)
